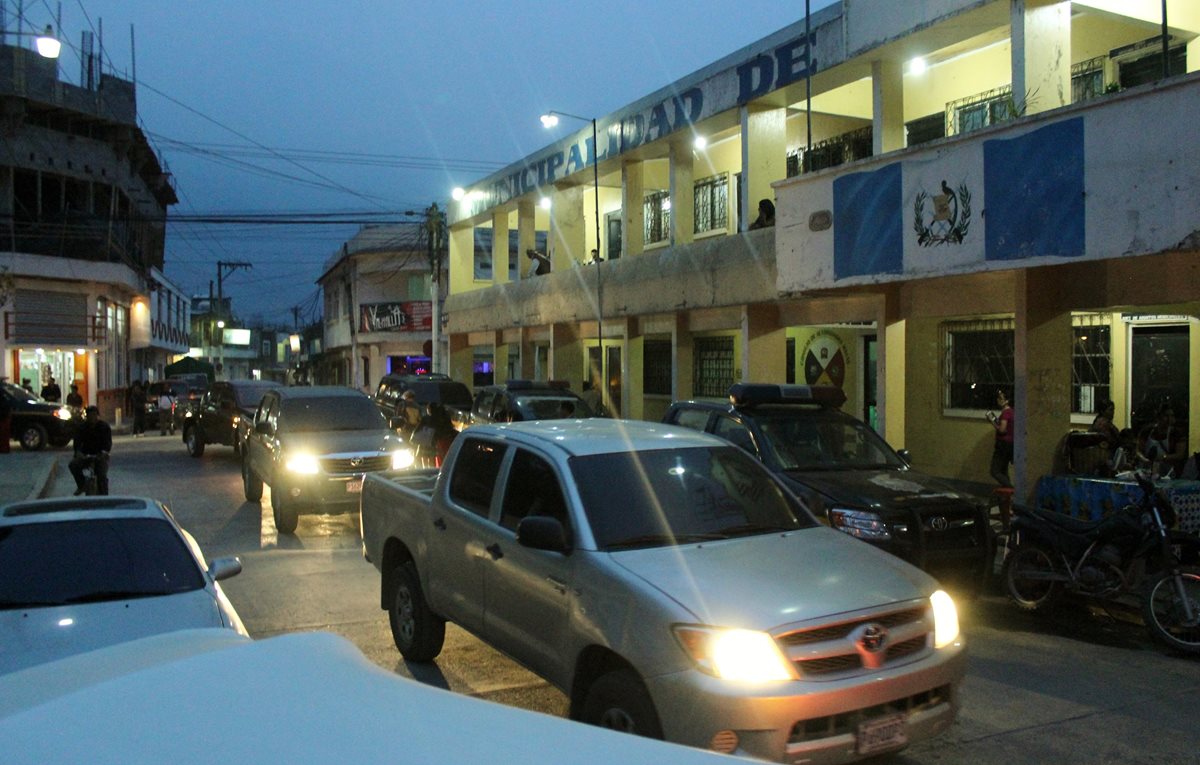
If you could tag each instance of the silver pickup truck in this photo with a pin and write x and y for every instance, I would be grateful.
(670, 586)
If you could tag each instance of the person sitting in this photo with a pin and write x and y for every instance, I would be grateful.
(93, 442)
(542, 266)
(766, 215)
(1103, 423)
(1162, 445)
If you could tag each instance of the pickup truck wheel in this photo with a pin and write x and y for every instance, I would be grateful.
(194, 441)
(418, 633)
(285, 514)
(619, 701)
(252, 485)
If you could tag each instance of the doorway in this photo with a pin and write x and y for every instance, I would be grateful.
(870, 371)
(1159, 372)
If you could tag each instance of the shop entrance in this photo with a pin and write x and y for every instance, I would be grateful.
(38, 366)
(1159, 371)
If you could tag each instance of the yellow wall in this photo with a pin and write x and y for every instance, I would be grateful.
(984, 70)
(851, 341)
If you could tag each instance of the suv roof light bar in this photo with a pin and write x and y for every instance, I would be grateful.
(753, 394)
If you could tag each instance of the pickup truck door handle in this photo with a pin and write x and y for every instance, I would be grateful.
(495, 551)
(440, 524)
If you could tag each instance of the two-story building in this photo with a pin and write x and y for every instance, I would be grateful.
(970, 195)
(83, 203)
(378, 315)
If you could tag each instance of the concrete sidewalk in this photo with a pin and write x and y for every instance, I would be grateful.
(30, 475)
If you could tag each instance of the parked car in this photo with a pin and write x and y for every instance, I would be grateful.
(524, 400)
(850, 477)
(85, 572)
(312, 446)
(670, 586)
(224, 414)
(436, 388)
(37, 422)
(197, 697)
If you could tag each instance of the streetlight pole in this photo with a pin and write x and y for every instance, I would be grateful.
(549, 120)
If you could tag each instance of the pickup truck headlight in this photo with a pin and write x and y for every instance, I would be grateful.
(62, 413)
(945, 619)
(305, 464)
(745, 656)
(403, 458)
(859, 523)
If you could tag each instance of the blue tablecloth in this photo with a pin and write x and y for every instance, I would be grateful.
(1094, 498)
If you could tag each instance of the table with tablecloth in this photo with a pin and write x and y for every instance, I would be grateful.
(1094, 498)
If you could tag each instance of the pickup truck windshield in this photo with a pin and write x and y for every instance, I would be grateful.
(828, 440)
(305, 415)
(657, 498)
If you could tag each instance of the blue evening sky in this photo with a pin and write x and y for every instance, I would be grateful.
(320, 106)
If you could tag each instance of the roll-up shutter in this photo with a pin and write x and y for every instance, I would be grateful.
(50, 318)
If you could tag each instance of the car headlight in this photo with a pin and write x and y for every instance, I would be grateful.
(62, 413)
(403, 458)
(945, 619)
(745, 656)
(859, 523)
(305, 464)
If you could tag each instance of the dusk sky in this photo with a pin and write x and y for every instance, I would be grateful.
(317, 107)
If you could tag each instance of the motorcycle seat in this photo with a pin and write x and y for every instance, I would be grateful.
(1064, 522)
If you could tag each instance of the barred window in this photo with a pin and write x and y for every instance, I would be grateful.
(989, 108)
(712, 366)
(712, 203)
(1087, 79)
(977, 361)
(1091, 362)
(657, 216)
(656, 367)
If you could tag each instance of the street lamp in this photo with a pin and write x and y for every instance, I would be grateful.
(549, 120)
(46, 43)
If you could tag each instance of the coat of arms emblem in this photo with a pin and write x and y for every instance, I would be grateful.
(950, 218)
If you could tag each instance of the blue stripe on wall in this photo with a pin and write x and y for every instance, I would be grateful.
(868, 236)
(1033, 191)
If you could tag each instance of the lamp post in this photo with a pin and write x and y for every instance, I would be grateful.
(47, 44)
(549, 120)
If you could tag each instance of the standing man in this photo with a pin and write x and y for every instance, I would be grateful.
(74, 400)
(137, 401)
(51, 392)
(93, 442)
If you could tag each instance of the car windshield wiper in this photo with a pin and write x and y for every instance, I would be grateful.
(661, 540)
(750, 529)
(103, 595)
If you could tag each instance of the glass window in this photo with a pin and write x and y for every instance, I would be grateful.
(301, 415)
(474, 477)
(551, 407)
(696, 419)
(1091, 363)
(657, 217)
(94, 560)
(712, 365)
(735, 433)
(656, 367)
(656, 498)
(822, 439)
(712, 203)
(532, 489)
(977, 360)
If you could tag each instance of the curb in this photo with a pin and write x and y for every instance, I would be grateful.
(43, 483)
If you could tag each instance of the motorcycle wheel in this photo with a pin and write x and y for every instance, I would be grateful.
(1025, 572)
(1164, 613)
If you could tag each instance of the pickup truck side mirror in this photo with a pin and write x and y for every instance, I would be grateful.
(904, 455)
(264, 428)
(541, 532)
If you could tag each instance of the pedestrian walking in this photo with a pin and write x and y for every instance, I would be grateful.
(166, 410)
(1002, 450)
(137, 401)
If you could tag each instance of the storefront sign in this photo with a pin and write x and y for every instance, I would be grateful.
(413, 316)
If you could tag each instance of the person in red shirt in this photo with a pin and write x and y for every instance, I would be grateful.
(1002, 452)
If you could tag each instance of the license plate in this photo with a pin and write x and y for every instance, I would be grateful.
(354, 486)
(881, 734)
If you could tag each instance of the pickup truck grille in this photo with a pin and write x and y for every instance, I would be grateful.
(367, 463)
(832, 650)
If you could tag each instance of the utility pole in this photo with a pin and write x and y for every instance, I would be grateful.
(435, 226)
(222, 265)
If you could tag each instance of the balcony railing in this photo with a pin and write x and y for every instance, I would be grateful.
(847, 147)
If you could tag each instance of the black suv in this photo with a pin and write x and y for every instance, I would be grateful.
(437, 388)
(520, 400)
(224, 414)
(849, 476)
(36, 422)
(312, 446)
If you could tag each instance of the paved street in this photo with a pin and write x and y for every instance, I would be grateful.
(1078, 688)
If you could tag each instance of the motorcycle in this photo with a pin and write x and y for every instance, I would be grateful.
(1131, 557)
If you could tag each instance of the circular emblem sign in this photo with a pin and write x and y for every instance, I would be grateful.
(825, 360)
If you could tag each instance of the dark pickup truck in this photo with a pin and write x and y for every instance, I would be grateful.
(849, 476)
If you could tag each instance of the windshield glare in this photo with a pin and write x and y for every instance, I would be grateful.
(825, 440)
(552, 407)
(300, 415)
(663, 497)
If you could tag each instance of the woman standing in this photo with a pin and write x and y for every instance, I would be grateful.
(1002, 451)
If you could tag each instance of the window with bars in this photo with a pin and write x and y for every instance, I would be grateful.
(1087, 79)
(1091, 362)
(977, 361)
(712, 203)
(656, 367)
(657, 216)
(989, 108)
(712, 366)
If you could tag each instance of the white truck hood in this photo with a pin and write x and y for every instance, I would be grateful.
(764, 582)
